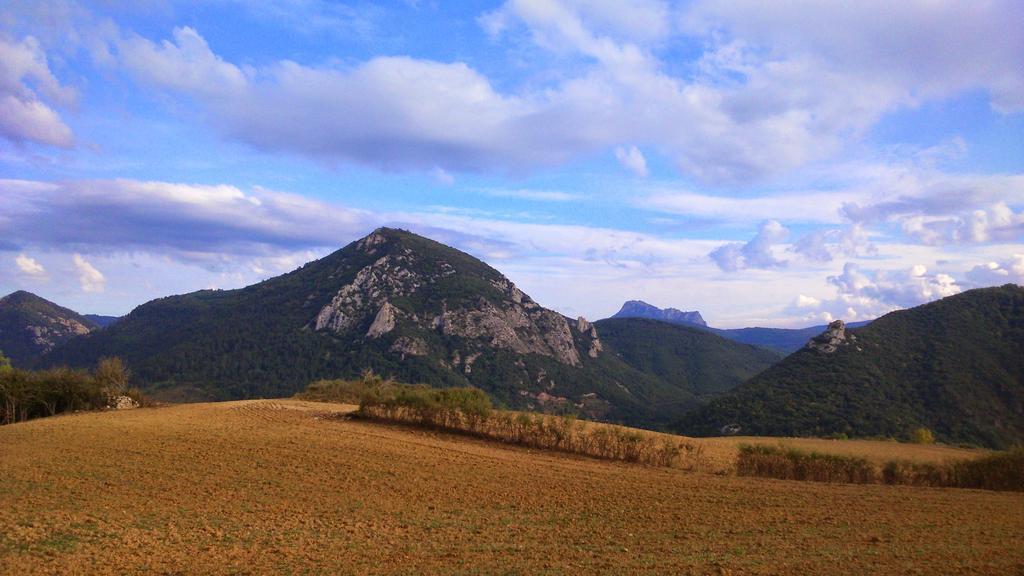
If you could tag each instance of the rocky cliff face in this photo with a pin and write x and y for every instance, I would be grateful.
(31, 326)
(641, 309)
(832, 338)
(405, 291)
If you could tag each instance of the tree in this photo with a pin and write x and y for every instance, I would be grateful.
(113, 376)
(922, 436)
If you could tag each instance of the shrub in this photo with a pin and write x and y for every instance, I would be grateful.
(922, 436)
(788, 464)
(997, 471)
(140, 398)
(112, 375)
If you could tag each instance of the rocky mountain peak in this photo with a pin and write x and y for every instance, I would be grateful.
(832, 338)
(641, 309)
(31, 326)
(424, 296)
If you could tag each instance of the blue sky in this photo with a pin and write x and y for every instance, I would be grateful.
(778, 167)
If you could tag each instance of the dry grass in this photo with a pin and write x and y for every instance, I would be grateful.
(721, 453)
(280, 487)
(996, 471)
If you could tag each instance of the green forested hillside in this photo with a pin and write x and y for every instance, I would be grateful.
(706, 363)
(955, 366)
(415, 310)
(31, 326)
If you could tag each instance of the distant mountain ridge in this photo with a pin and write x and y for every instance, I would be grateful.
(955, 366)
(101, 320)
(641, 309)
(31, 326)
(408, 307)
(783, 340)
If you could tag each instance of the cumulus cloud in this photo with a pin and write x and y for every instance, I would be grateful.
(939, 209)
(28, 93)
(760, 99)
(185, 64)
(992, 273)
(757, 253)
(901, 288)
(632, 159)
(29, 266)
(89, 278)
(826, 245)
(916, 49)
(866, 294)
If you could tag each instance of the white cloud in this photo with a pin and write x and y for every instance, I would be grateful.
(760, 100)
(29, 266)
(89, 278)
(826, 245)
(633, 160)
(992, 273)
(188, 219)
(442, 177)
(186, 64)
(25, 80)
(757, 253)
(534, 195)
(867, 294)
(915, 49)
(792, 207)
(630, 20)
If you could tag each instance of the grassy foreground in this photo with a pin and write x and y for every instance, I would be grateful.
(284, 487)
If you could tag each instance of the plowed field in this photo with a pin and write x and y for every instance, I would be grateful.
(286, 487)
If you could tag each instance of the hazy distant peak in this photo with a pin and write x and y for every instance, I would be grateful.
(641, 309)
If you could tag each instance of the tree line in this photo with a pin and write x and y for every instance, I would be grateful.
(27, 394)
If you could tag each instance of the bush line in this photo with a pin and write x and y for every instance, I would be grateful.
(27, 394)
(469, 411)
(997, 471)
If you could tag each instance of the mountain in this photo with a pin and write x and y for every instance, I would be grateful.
(404, 306)
(102, 321)
(708, 364)
(782, 340)
(31, 326)
(641, 309)
(955, 366)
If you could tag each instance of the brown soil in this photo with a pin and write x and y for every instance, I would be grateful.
(290, 487)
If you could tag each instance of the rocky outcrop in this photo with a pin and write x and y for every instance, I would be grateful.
(584, 327)
(55, 330)
(123, 403)
(388, 277)
(522, 327)
(832, 338)
(384, 322)
(405, 346)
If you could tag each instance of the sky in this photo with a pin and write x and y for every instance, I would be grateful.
(773, 167)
